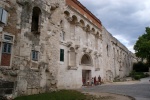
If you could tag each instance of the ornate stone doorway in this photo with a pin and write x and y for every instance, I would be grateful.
(86, 63)
(86, 76)
(86, 60)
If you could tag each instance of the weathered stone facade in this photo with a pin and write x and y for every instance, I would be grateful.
(35, 33)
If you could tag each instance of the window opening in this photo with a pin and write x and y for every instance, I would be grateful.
(7, 48)
(86, 60)
(35, 19)
(3, 15)
(107, 51)
(35, 55)
(62, 55)
(7, 37)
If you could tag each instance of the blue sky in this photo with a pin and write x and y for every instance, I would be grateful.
(124, 19)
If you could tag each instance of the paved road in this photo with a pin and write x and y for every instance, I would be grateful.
(139, 90)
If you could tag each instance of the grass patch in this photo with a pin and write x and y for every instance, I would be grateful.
(59, 95)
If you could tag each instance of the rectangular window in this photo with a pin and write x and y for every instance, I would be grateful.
(35, 55)
(8, 38)
(7, 48)
(3, 15)
(61, 54)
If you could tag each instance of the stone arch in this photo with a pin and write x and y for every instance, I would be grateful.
(88, 28)
(86, 60)
(74, 19)
(93, 30)
(97, 33)
(67, 13)
(82, 23)
(36, 17)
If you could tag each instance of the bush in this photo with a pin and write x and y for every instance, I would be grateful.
(138, 75)
(140, 67)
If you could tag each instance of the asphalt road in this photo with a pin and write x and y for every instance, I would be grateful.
(139, 90)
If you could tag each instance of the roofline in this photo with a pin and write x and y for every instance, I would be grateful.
(86, 10)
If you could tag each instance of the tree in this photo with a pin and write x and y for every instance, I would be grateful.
(142, 46)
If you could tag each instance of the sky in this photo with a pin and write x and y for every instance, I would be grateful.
(124, 19)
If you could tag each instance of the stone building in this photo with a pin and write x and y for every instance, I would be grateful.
(56, 44)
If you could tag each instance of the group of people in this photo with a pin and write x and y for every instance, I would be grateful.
(93, 81)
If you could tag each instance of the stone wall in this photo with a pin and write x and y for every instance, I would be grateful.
(32, 76)
(120, 59)
(35, 32)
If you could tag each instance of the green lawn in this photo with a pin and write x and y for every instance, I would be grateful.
(59, 95)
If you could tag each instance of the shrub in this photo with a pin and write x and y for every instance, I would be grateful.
(140, 67)
(138, 75)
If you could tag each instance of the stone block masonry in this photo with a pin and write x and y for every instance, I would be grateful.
(37, 33)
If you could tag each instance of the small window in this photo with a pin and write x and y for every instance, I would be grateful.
(1, 12)
(35, 55)
(62, 55)
(107, 50)
(35, 19)
(8, 38)
(3, 15)
(7, 48)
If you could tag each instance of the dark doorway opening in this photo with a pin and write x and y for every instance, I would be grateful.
(86, 77)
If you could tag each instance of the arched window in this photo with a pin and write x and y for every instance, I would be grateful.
(67, 14)
(72, 57)
(86, 60)
(35, 19)
(73, 27)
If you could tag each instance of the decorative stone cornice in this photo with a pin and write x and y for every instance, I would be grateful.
(72, 67)
(95, 52)
(89, 50)
(69, 43)
(84, 49)
(77, 46)
(69, 19)
(97, 69)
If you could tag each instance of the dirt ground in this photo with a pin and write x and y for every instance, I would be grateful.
(108, 96)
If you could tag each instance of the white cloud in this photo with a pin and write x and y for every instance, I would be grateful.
(124, 19)
(124, 41)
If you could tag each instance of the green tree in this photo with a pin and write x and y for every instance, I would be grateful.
(142, 46)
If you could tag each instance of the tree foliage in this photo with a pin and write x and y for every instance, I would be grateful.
(142, 46)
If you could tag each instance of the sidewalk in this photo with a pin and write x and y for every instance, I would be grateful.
(109, 96)
(145, 80)
(122, 83)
